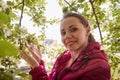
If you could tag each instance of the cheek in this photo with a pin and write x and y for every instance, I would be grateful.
(80, 36)
(63, 41)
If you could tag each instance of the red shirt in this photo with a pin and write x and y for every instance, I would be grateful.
(91, 64)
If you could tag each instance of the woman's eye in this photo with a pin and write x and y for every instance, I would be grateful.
(73, 29)
(63, 33)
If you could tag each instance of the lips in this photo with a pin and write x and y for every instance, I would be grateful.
(70, 43)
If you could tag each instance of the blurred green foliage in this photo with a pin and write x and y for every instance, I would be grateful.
(104, 13)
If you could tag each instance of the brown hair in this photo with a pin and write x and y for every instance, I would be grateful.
(83, 20)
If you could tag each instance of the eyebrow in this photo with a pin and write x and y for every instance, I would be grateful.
(68, 27)
(71, 26)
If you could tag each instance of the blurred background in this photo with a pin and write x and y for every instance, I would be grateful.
(38, 21)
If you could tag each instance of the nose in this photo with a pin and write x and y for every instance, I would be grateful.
(68, 35)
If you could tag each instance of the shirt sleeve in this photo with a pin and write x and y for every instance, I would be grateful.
(97, 74)
(39, 73)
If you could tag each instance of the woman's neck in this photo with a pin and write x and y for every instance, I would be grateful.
(76, 53)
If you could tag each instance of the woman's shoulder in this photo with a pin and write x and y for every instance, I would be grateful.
(98, 63)
(97, 60)
(63, 56)
(98, 68)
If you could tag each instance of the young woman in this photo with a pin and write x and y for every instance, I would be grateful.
(82, 60)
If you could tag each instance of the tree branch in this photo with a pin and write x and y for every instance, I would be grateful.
(21, 13)
(93, 1)
(67, 3)
(96, 18)
(20, 23)
(17, 5)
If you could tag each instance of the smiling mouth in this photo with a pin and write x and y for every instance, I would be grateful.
(70, 43)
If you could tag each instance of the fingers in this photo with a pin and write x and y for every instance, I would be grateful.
(39, 50)
(35, 51)
(35, 58)
(24, 55)
(30, 60)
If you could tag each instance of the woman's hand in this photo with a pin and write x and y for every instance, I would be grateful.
(35, 58)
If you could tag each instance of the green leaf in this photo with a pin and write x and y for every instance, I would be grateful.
(12, 15)
(10, 3)
(7, 49)
(2, 34)
(23, 74)
(80, 1)
(0, 1)
(33, 0)
(4, 18)
(28, 2)
(7, 11)
(65, 9)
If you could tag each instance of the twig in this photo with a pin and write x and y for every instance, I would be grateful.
(67, 3)
(17, 5)
(96, 18)
(93, 1)
(21, 13)
(21, 22)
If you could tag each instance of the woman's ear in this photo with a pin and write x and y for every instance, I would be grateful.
(88, 29)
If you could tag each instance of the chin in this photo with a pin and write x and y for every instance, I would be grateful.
(71, 49)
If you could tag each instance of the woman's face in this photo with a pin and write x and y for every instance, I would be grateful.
(73, 34)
